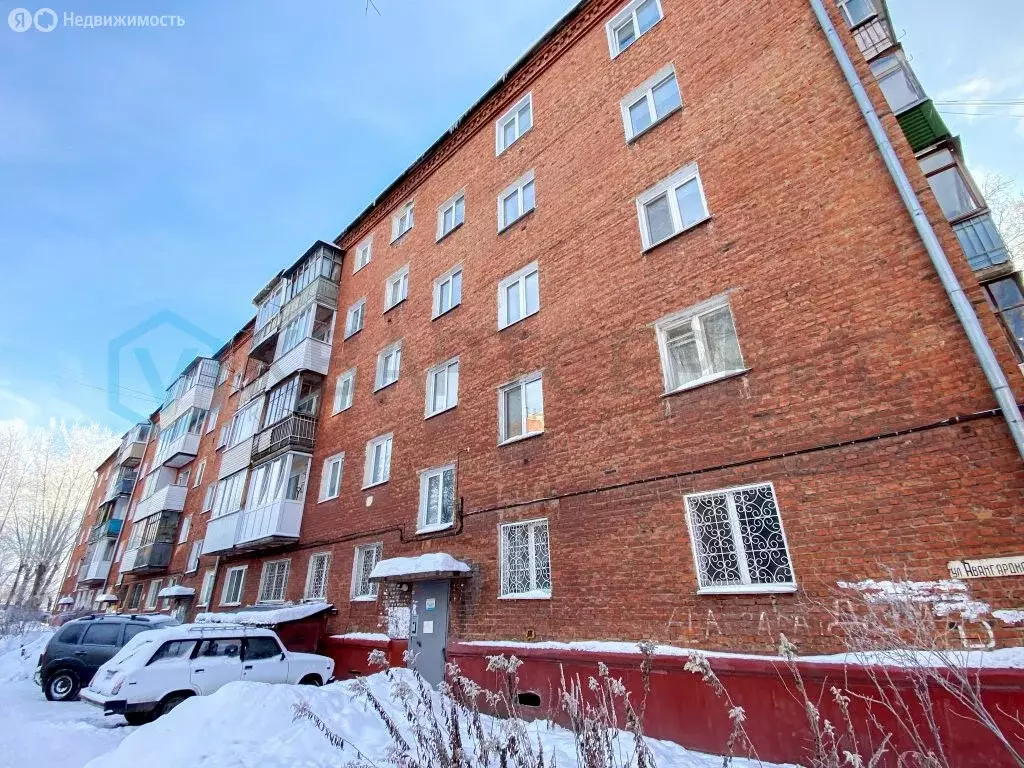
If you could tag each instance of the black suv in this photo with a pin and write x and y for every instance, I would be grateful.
(79, 647)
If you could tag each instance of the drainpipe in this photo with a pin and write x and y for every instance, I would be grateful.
(961, 304)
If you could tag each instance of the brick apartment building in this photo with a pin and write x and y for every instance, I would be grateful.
(648, 345)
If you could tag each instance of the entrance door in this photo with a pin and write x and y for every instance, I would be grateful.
(429, 629)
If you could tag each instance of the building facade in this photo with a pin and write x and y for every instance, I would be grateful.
(646, 347)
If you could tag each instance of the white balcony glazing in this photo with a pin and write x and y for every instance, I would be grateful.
(128, 561)
(170, 497)
(235, 458)
(270, 522)
(94, 571)
(222, 533)
(308, 355)
(179, 452)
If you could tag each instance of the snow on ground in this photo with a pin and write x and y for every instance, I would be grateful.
(43, 734)
(253, 724)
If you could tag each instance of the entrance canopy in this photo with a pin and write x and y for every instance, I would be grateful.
(434, 565)
(176, 591)
(107, 598)
(66, 601)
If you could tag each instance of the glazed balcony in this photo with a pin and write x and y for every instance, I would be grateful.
(256, 386)
(321, 290)
(170, 498)
(263, 338)
(296, 432)
(310, 354)
(983, 246)
(271, 524)
(149, 558)
(133, 447)
(179, 452)
(94, 573)
(108, 529)
(193, 389)
(222, 533)
(119, 486)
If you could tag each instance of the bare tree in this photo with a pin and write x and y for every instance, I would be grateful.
(1005, 198)
(50, 476)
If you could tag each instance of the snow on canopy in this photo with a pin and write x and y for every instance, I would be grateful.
(257, 617)
(177, 590)
(106, 598)
(433, 562)
(66, 601)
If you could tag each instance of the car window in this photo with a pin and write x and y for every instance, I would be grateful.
(71, 634)
(261, 648)
(222, 647)
(174, 649)
(102, 634)
(131, 630)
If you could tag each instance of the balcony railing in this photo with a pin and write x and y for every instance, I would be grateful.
(150, 557)
(295, 432)
(982, 244)
(272, 523)
(254, 388)
(120, 486)
(265, 334)
(873, 37)
(308, 355)
(169, 498)
(221, 533)
(111, 528)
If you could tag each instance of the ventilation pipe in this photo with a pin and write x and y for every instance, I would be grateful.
(957, 297)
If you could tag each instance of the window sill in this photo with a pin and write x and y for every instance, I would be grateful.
(520, 438)
(527, 596)
(438, 413)
(636, 136)
(433, 528)
(340, 410)
(509, 225)
(447, 311)
(704, 382)
(229, 605)
(749, 589)
(399, 236)
(364, 599)
(516, 322)
(374, 485)
(446, 234)
(350, 335)
(328, 498)
(382, 387)
(396, 304)
(681, 232)
(515, 141)
(356, 269)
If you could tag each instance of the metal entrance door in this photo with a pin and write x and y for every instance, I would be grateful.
(428, 632)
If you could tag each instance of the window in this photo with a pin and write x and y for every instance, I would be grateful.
(378, 461)
(698, 345)
(228, 496)
(519, 296)
(172, 650)
(447, 291)
(1007, 298)
(211, 489)
(344, 391)
(437, 499)
(233, 583)
(442, 387)
(244, 423)
(364, 251)
(154, 588)
(629, 24)
(273, 581)
(857, 11)
(401, 222)
(103, 633)
(654, 100)
(193, 557)
(282, 479)
(396, 289)
(738, 541)
(221, 648)
(525, 560)
(200, 470)
(366, 558)
(211, 419)
(515, 201)
(281, 401)
(954, 193)
(451, 214)
(389, 361)
(186, 526)
(316, 576)
(222, 375)
(206, 592)
(134, 597)
(521, 409)
(183, 475)
(71, 634)
(257, 648)
(131, 630)
(513, 124)
(355, 318)
(330, 479)
(671, 206)
(897, 81)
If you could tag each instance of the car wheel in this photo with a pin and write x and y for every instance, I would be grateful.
(311, 680)
(171, 702)
(62, 685)
(138, 718)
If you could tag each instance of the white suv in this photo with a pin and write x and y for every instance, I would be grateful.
(157, 670)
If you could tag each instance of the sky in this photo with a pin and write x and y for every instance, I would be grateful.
(152, 180)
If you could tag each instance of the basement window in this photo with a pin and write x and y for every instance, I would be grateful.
(738, 541)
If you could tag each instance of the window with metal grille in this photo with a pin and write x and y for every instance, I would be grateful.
(273, 581)
(738, 541)
(316, 576)
(437, 498)
(525, 560)
(366, 558)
